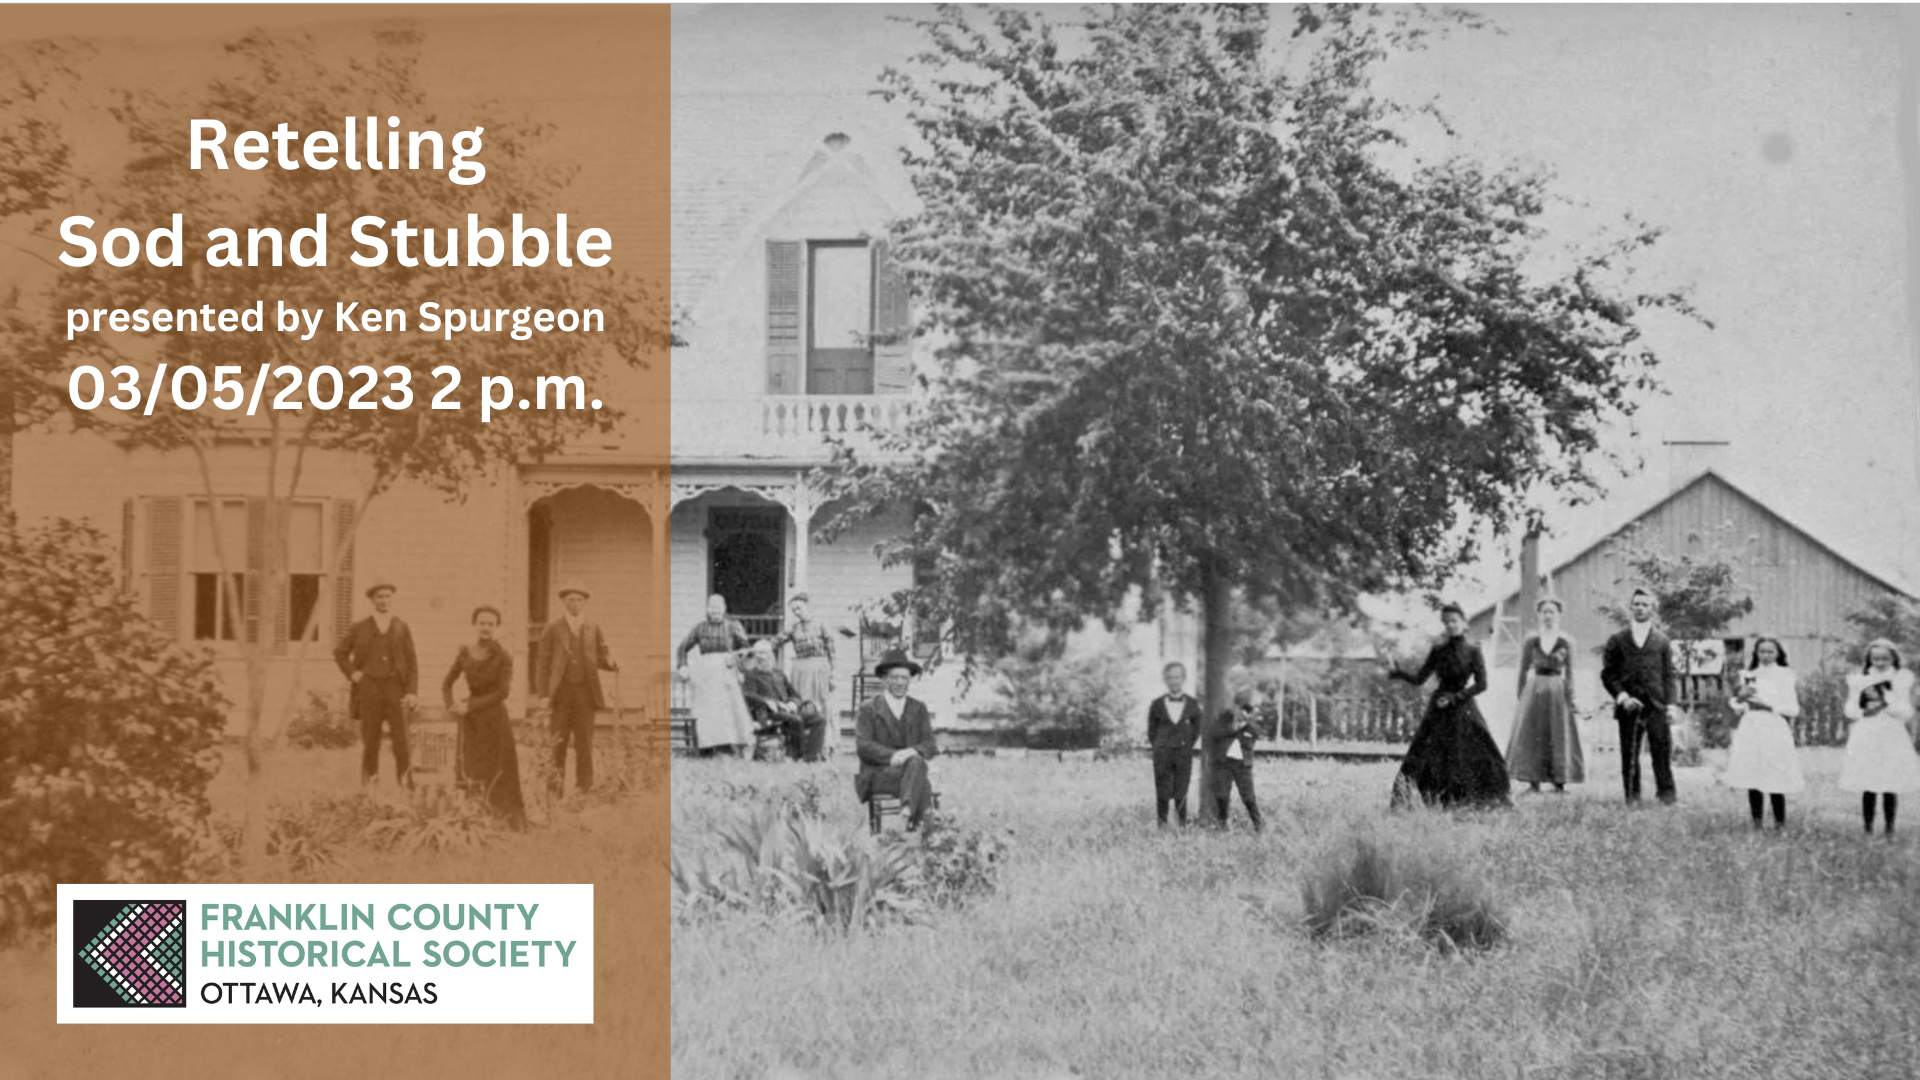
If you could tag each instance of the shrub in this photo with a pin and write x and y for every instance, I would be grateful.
(108, 728)
(1369, 888)
(957, 864)
(311, 834)
(783, 865)
(322, 724)
(1065, 704)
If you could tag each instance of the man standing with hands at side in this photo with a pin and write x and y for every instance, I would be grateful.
(1173, 726)
(573, 652)
(1636, 669)
(377, 657)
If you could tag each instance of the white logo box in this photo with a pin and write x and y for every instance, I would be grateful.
(363, 954)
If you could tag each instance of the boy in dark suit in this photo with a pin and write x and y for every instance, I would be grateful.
(1230, 752)
(1173, 727)
(377, 657)
(1636, 668)
(893, 736)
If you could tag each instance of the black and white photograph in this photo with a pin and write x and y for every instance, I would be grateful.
(1029, 541)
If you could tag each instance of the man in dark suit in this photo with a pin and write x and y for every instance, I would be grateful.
(776, 704)
(1229, 748)
(893, 736)
(1636, 669)
(376, 655)
(573, 652)
(1173, 727)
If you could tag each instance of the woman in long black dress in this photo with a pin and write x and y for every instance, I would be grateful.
(489, 764)
(1453, 760)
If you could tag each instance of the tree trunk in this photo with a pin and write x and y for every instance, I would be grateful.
(1215, 658)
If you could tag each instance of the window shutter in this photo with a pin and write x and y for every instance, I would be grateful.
(783, 316)
(163, 563)
(253, 584)
(280, 611)
(892, 325)
(129, 584)
(342, 569)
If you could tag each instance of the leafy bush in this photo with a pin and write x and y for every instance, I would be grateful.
(312, 834)
(1065, 704)
(779, 864)
(108, 728)
(957, 864)
(1367, 887)
(322, 724)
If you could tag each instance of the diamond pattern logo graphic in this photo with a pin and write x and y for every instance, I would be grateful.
(134, 954)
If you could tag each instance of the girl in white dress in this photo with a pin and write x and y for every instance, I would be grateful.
(1880, 757)
(1762, 758)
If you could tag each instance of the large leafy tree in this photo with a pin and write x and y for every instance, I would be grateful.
(1205, 326)
(275, 79)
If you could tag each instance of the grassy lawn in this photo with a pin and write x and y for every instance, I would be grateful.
(1644, 943)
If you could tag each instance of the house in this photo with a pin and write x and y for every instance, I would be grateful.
(1802, 588)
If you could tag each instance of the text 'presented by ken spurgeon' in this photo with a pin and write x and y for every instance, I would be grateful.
(376, 241)
(368, 935)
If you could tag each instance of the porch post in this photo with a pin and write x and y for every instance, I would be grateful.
(801, 508)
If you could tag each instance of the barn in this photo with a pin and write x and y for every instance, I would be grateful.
(1802, 588)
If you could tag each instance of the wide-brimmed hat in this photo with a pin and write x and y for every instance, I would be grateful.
(799, 598)
(379, 585)
(894, 658)
(575, 587)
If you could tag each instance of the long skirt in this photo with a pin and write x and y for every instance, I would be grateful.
(1880, 757)
(1453, 761)
(720, 715)
(489, 763)
(1545, 747)
(1762, 758)
(812, 680)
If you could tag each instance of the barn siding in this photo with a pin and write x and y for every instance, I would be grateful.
(1802, 592)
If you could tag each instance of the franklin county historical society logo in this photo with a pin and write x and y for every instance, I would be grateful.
(132, 953)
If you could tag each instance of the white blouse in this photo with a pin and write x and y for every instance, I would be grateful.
(1899, 683)
(1775, 690)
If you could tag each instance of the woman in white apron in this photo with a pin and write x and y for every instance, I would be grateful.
(706, 658)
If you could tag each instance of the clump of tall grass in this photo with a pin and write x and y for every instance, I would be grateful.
(1368, 887)
(782, 865)
(783, 860)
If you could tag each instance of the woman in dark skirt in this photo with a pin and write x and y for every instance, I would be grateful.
(1546, 745)
(489, 765)
(1453, 760)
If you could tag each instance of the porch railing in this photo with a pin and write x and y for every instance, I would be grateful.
(785, 422)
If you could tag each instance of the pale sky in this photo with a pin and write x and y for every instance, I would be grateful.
(1762, 138)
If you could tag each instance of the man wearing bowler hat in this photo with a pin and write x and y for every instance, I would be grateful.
(573, 652)
(893, 736)
(377, 657)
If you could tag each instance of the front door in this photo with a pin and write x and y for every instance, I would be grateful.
(746, 560)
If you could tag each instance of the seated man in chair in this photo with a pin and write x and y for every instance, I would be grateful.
(893, 735)
(778, 707)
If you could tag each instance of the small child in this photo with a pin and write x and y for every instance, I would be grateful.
(1230, 751)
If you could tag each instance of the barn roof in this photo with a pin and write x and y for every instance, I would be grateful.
(1705, 477)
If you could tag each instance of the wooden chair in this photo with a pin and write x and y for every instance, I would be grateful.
(434, 747)
(880, 806)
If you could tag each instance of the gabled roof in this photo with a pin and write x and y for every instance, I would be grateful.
(1706, 476)
(738, 156)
